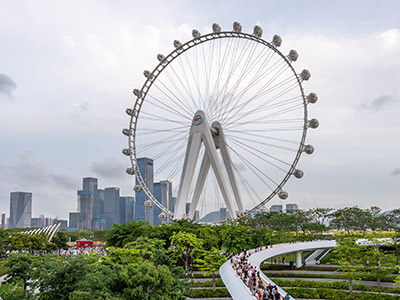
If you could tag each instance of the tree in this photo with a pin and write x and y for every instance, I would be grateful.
(210, 263)
(235, 238)
(393, 221)
(349, 258)
(146, 246)
(376, 260)
(183, 245)
(19, 267)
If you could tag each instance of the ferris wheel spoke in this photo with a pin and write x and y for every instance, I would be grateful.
(247, 147)
(251, 192)
(150, 131)
(165, 107)
(200, 98)
(145, 146)
(169, 149)
(253, 169)
(261, 92)
(169, 161)
(221, 68)
(174, 98)
(258, 142)
(235, 62)
(242, 73)
(156, 118)
(187, 82)
(240, 132)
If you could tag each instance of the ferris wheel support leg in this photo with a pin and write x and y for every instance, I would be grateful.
(221, 142)
(213, 156)
(191, 156)
(201, 179)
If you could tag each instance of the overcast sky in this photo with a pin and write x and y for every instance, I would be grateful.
(67, 69)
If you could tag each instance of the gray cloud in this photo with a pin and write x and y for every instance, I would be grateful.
(109, 167)
(395, 172)
(7, 85)
(378, 103)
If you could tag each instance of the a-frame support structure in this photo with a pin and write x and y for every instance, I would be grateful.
(213, 138)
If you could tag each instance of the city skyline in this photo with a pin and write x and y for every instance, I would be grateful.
(62, 102)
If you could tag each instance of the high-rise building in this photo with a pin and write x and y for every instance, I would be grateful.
(63, 223)
(87, 198)
(196, 216)
(3, 220)
(127, 209)
(36, 223)
(111, 206)
(20, 209)
(276, 208)
(147, 171)
(291, 206)
(163, 193)
(223, 214)
(74, 220)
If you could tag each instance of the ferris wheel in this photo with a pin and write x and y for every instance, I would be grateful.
(224, 118)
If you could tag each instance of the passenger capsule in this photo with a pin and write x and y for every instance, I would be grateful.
(126, 131)
(298, 173)
(126, 151)
(313, 123)
(257, 31)
(148, 204)
(293, 55)
(162, 216)
(312, 98)
(277, 41)
(130, 171)
(237, 27)
(305, 75)
(137, 188)
(177, 44)
(283, 195)
(195, 34)
(309, 149)
(129, 111)
(136, 92)
(148, 74)
(216, 28)
(160, 57)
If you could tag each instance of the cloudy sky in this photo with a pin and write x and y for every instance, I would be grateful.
(67, 69)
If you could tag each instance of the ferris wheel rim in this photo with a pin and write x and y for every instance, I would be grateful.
(151, 78)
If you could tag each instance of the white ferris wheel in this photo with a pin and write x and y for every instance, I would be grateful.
(224, 117)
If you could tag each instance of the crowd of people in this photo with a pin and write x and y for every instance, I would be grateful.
(84, 251)
(252, 279)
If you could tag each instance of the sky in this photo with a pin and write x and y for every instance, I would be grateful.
(67, 69)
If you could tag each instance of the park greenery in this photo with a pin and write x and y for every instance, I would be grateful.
(156, 262)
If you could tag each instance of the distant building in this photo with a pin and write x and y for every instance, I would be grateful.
(36, 223)
(290, 207)
(276, 208)
(163, 193)
(147, 171)
(196, 216)
(126, 209)
(3, 220)
(63, 223)
(216, 216)
(20, 210)
(111, 206)
(74, 220)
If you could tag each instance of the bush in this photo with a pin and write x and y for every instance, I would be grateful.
(320, 293)
(199, 293)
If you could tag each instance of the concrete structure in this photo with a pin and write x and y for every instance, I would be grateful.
(236, 287)
(213, 138)
(276, 208)
(145, 212)
(20, 210)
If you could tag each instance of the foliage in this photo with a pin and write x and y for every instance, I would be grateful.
(19, 270)
(210, 263)
(184, 245)
(321, 293)
(146, 246)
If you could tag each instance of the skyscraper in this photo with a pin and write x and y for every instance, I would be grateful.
(291, 206)
(126, 210)
(276, 208)
(20, 209)
(3, 220)
(111, 206)
(74, 220)
(146, 169)
(87, 197)
(163, 193)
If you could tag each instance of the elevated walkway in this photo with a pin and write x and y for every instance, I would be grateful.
(235, 286)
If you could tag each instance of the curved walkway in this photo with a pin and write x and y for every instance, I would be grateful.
(235, 286)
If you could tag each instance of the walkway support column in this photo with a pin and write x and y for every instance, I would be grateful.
(298, 259)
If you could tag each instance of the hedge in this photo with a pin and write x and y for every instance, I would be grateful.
(320, 293)
(199, 293)
(386, 278)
